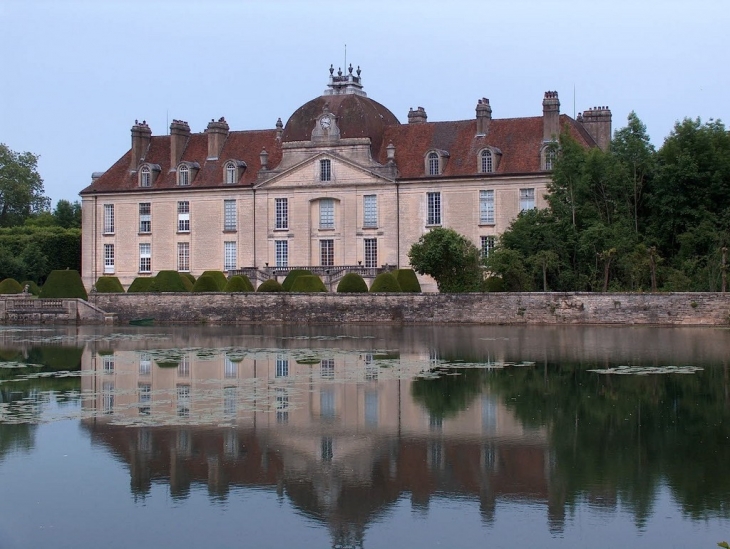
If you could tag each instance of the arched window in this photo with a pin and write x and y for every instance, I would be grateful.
(549, 158)
(433, 164)
(487, 162)
(145, 179)
(183, 175)
(230, 173)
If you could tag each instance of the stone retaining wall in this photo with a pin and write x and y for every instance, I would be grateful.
(710, 309)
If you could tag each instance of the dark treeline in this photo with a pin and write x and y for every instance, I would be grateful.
(630, 219)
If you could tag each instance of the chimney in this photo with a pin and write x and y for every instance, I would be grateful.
(597, 122)
(418, 116)
(550, 116)
(484, 116)
(217, 133)
(141, 137)
(179, 133)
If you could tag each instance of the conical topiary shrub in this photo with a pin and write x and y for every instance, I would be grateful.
(308, 283)
(168, 281)
(270, 285)
(407, 280)
(205, 283)
(385, 282)
(219, 277)
(10, 286)
(33, 288)
(66, 283)
(292, 276)
(141, 284)
(190, 277)
(238, 283)
(109, 285)
(352, 283)
(187, 283)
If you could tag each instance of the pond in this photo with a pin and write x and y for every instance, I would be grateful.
(364, 436)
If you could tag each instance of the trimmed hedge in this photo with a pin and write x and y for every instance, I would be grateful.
(219, 277)
(270, 285)
(10, 286)
(33, 288)
(407, 280)
(238, 283)
(187, 283)
(190, 277)
(352, 283)
(385, 282)
(141, 284)
(109, 285)
(168, 281)
(205, 283)
(66, 283)
(292, 276)
(308, 283)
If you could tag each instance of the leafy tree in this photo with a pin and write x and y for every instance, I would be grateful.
(449, 258)
(67, 215)
(509, 265)
(21, 187)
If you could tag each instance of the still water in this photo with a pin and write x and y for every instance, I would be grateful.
(372, 437)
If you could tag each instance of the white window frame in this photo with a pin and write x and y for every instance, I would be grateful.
(327, 252)
(145, 177)
(108, 258)
(183, 257)
(527, 199)
(486, 163)
(370, 252)
(370, 211)
(486, 207)
(281, 366)
(145, 217)
(281, 251)
(229, 215)
(281, 210)
(326, 213)
(230, 173)
(433, 163)
(145, 257)
(183, 216)
(325, 169)
(183, 175)
(230, 255)
(433, 208)
(487, 244)
(108, 218)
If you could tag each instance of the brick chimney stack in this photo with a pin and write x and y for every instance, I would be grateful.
(550, 116)
(217, 134)
(179, 134)
(484, 116)
(418, 116)
(597, 122)
(141, 137)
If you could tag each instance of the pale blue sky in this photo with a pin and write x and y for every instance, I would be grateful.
(78, 73)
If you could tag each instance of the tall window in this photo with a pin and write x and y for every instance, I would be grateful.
(229, 215)
(230, 173)
(282, 366)
(325, 170)
(108, 258)
(282, 213)
(183, 256)
(486, 207)
(145, 217)
(229, 255)
(433, 163)
(434, 209)
(183, 175)
(327, 253)
(326, 213)
(144, 177)
(282, 253)
(486, 161)
(549, 158)
(371, 252)
(527, 199)
(183, 217)
(487, 245)
(145, 258)
(108, 218)
(370, 210)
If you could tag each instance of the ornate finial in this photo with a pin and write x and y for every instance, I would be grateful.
(339, 71)
(358, 70)
(350, 68)
(136, 122)
(279, 124)
(332, 70)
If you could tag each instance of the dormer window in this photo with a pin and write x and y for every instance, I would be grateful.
(145, 177)
(433, 164)
(486, 163)
(183, 175)
(435, 161)
(325, 170)
(548, 155)
(230, 173)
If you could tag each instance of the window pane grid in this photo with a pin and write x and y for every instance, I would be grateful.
(370, 210)
(145, 217)
(229, 215)
(184, 176)
(371, 252)
(327, 252)
(183, 256)
(108, 218)
(282, 213)
(433, 164)
(486, 207)
(487, 161)
(108, 258)
(230, 173)
(183, 216)
(487, 243)
(527, 199)
(434, 209)
(326, 213)
(325, 170)
(144, 178)
(230, 258)
(282, 253)
(145, 258)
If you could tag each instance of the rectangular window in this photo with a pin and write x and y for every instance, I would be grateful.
(183, 256)
(487, 245)
(108, 218)
(486, 207)
(145, 364)
(434, 209)
(229, 215)
(282, 405)
(282, 213)
(325, 170)
(145, 217)
(183, 217)
(145, 258)
(282, 366)
(326, 213)
(371, 408)
(370, 210)
(326, 253)
(230, 368)
(371, 252)
(145, 398)
(282, 253)
(108, 258)
(327, 368)
(229, 255)
(327, 409)
(183, 403)
(527, 199)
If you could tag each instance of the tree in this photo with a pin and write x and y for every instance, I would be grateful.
(21, 187)
(67, 215)
(449, 258)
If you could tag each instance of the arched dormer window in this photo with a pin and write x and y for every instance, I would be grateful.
(548, 155)
(434, 164)
(145, 177)
(183, 175)
(486, 161)
(230, 173)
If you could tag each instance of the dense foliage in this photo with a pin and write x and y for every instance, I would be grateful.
(141, 284)
(407, 280)
(385, 282)
(168, 281)
(308, 283)
(451, 259)
(238, 283)
(10, 286)
(629, 219)
(66, 283)
(270, 285)
(352, 283)
(109, 285)
(219, 277)
(292, 276)
(30, 253)
(206, 283)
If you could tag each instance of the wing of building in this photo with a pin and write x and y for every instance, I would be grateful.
(343, 186)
